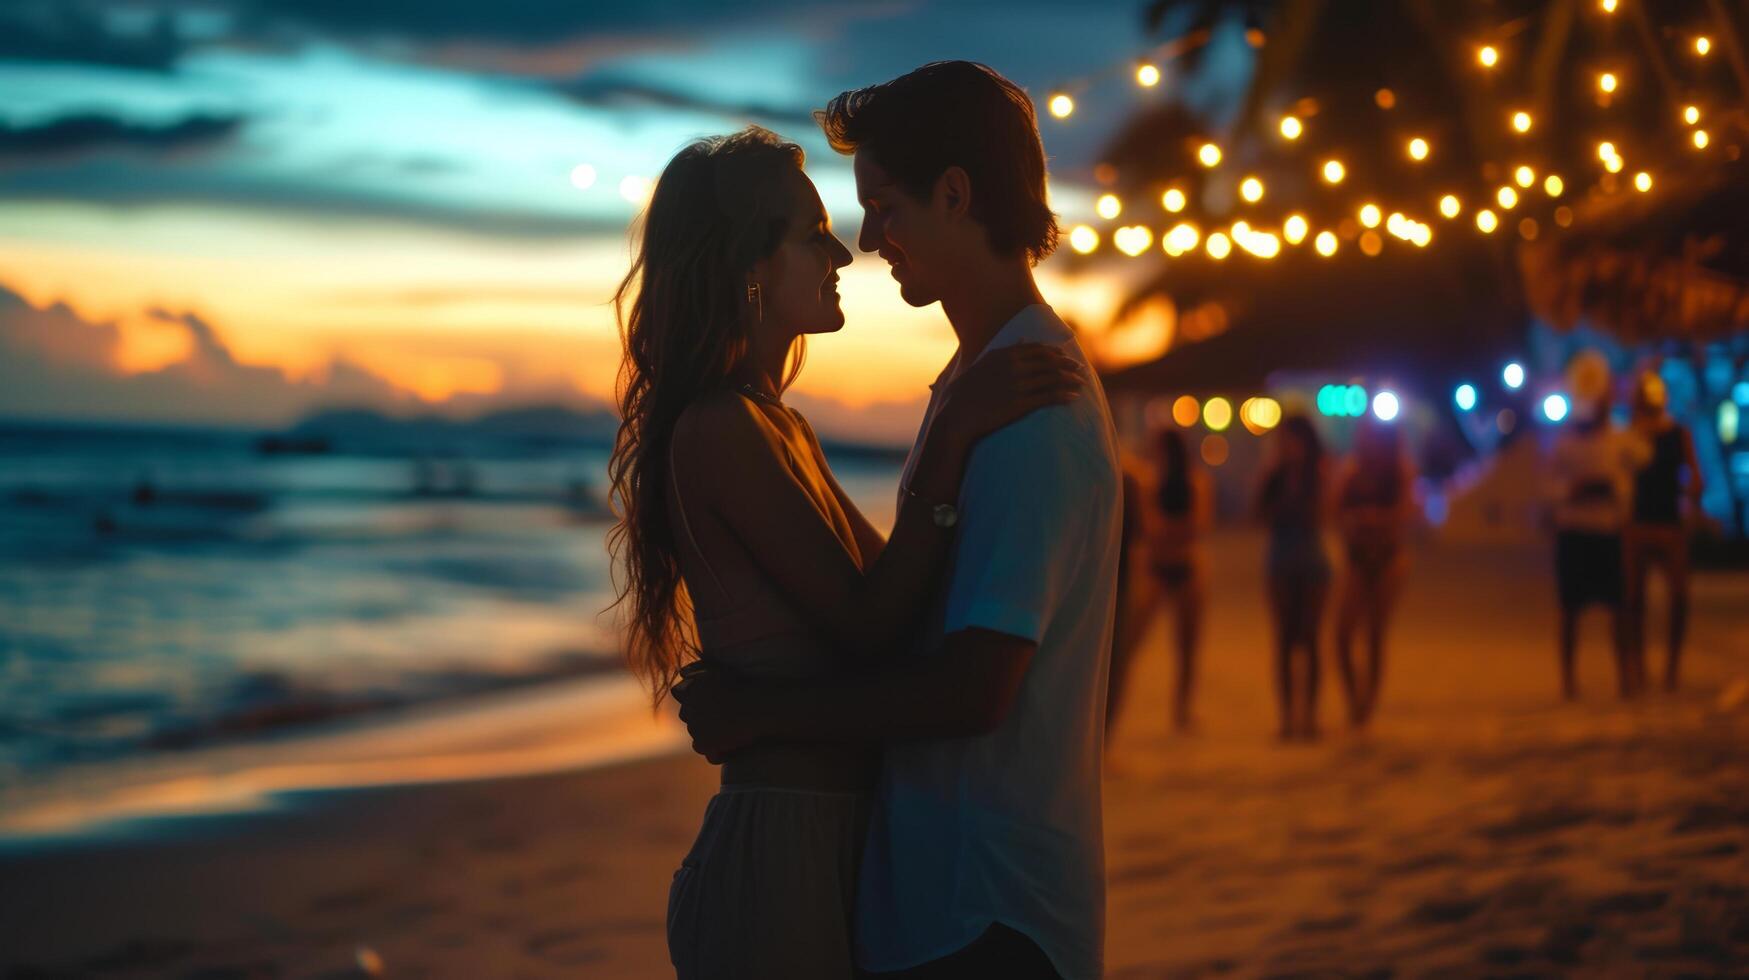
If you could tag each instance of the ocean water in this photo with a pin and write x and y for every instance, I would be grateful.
(168, 588)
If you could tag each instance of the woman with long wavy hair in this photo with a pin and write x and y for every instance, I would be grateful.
(738, 549)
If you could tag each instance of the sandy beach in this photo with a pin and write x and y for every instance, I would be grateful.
(1482, 827)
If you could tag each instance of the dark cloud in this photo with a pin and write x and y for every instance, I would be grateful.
(71, 135)
(125, 183)
(608, 91)
(55, 364)
(81, 32)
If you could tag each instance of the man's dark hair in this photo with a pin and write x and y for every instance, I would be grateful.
(955, 114)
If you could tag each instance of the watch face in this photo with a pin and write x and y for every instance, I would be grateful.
(946, 515)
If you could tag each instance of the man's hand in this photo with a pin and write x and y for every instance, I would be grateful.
(718, 713)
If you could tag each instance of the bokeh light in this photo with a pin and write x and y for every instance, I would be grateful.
(1513, 375)
(1555, 407)
(1186, 410)
(1217, 414)
(1465, 396)
(1385, 406)
(1083, 239)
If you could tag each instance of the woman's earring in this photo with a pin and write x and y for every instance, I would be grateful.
(758, 300)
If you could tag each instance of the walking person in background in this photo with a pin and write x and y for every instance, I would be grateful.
(1374, 507)
(1593, 465)
(1134, 594)
(1290, 501)
(1657, 537)
(1178, 509)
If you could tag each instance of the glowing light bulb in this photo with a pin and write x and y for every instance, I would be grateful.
(1702, 45)
(1385, 406)
(1219, 245)
(1325, 244)
(1173, 200)
(1642, 182)
(1521, 121)
(1108, 206)
(1418, 149)
(1700, 139)
(1083, 239)
(1507, 197)
(1209, 154)
(1334, 171)
(1133, 240)
(1489, 56)
(1147, 76)
(582, 176)
(1217, 413)
(1251, 189)
(1061, 105)
(1181, 239)
(1606, 82)
(1524, 176)
(1291, 128)
(1370, 215)
(1294, 229)
(635, 189)
(1486, 221)
(1691, 114)
(1449, 206)
(1554, 185)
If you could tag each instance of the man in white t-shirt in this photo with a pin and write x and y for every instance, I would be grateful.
(985, 855)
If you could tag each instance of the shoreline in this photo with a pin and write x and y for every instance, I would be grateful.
(571, 725)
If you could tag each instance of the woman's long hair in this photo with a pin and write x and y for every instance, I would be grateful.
(719, 207)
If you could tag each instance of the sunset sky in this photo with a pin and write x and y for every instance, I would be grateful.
(236, 210)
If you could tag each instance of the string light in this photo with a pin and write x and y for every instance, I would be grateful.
(1606, 82)
(1217, 413)
(1133, 240)
(1251, 189)
(1182, 238)
(1147, 76)
(1608, 6)
(1554, 185)
(1325, 243)
(1703, 45)
(1219, 246)
(1209, 154)
(1642, 182)
(1083, 239)
(1334, 171)
(1524, 176)
(1261, 244)
(1294, 229)
(1371, 244)
(1173, 200)
(1417, 149)
(1507, 197)
(1521, 121)
(1613, 165)
(1449, 206)
(1291, 128)
(1486, 221)
(1700, 139)
(1489, 56)
(1513, 375)
(1369, 215)
(1605, 150)
(1691, 114)
(1108, 206)
(1061, 105)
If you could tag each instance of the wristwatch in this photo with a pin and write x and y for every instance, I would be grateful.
(944, 515)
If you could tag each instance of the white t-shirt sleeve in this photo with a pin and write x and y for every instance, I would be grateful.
(1020, 527)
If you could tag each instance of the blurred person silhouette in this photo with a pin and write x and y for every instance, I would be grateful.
(737, 547)
(1290, 502)
(1129, 620)
(1375, 507)
(1592, 466)
(1657, 536)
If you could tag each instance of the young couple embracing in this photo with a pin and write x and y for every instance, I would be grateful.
(908, 726)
